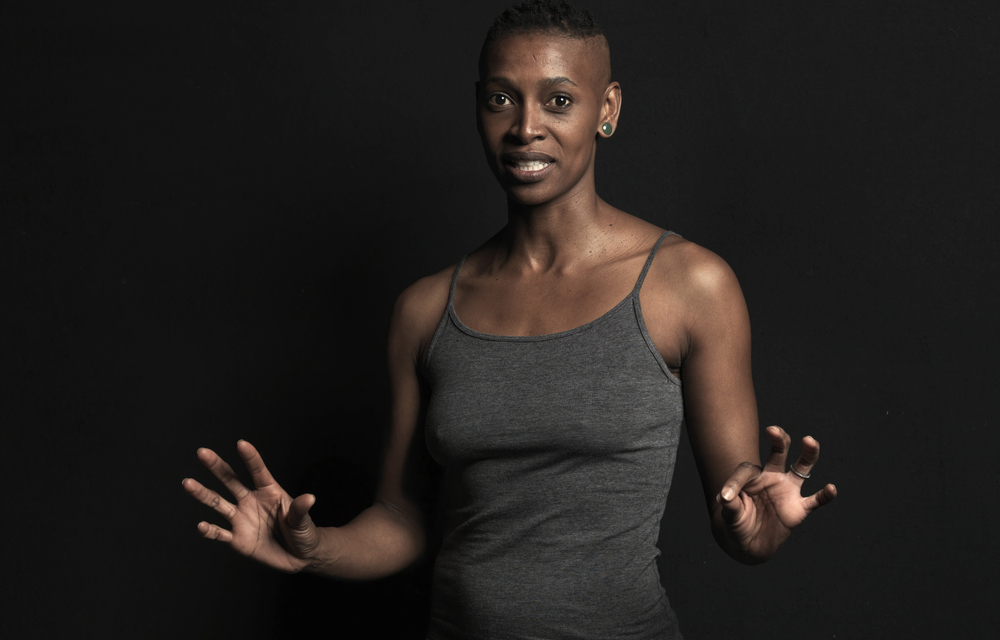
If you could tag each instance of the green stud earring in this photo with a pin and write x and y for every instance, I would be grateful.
(607, 128)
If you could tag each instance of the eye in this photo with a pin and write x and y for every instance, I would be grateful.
(498, 100)
(560, 101)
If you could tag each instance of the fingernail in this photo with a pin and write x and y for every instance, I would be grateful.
(727, 494)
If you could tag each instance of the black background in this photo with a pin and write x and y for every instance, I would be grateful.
(208, 209)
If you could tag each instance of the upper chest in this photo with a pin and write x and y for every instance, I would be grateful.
(535, 305)
(519, 305)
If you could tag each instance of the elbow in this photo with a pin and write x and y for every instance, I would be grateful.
(409, 536)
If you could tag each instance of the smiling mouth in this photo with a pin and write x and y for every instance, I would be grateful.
(527, 166)
(533, 165)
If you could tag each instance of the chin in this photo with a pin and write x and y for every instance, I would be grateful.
(526, 199)
(528, 195)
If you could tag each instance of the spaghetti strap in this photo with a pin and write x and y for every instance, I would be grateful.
(454, 281)
(645, 268)
(449, 312)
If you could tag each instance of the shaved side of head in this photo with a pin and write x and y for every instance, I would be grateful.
(557, 18)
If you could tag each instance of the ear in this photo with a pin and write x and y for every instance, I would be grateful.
(611, 109)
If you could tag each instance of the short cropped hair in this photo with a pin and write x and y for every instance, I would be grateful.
(544, 16)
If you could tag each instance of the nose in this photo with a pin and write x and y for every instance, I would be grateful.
(528, 124)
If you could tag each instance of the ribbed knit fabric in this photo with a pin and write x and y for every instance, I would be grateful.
(558, 453)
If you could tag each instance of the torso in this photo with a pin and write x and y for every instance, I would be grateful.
(556, 431)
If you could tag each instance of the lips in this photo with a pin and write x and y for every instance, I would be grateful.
(527, 166)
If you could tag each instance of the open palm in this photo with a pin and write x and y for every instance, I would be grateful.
(266, 523)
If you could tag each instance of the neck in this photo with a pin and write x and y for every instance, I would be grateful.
(557, 235)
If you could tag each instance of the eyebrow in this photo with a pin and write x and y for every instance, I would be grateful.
(558, 80)
(548, 82)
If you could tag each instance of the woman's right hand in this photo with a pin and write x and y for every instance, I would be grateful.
(267, 524)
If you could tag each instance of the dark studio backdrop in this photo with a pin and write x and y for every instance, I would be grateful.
(208, 208)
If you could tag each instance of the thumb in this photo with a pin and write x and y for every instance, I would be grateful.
(297, 516)
(729, 496)
(297, 527)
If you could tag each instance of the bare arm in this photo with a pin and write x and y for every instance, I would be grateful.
(390, 535)
(271, 527)
(752, 509)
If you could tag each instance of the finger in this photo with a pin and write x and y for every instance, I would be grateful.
(780, 441)
(221, 470)
(821, 497)
(807, 459)
(210, 498)
(255, 464)
(214, 532)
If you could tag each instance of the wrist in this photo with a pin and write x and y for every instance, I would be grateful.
(743, 550)
(324, 556)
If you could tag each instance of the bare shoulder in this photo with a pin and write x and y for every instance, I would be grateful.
(697, 275)
(417, 312)
(691, 296)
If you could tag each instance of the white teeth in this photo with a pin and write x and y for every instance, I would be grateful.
(534, 165)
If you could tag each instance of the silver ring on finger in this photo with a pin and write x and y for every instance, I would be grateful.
(804, 476)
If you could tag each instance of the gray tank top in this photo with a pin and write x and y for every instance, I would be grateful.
(558, 451)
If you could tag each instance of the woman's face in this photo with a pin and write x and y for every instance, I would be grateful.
(542, 99)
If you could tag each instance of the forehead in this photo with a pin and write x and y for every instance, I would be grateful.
(544, 54)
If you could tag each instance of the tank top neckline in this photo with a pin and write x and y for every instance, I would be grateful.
(631, 298)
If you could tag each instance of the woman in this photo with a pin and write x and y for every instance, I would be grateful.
(544, 372)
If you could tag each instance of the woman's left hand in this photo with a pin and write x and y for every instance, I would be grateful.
(760, 507)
